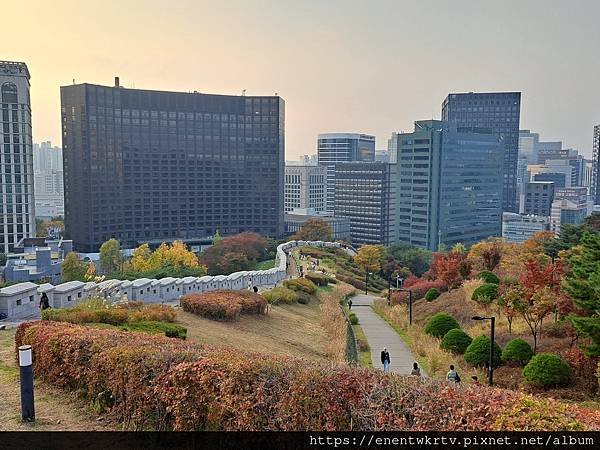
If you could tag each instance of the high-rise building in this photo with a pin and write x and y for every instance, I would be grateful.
(518, 227)
(49, 188)
(499, 112)
(335, 148)
(449, 185)
(16, 171)
(557, 170)
(305, 187)
(538, 198)
(595, 181)
(570, 206)
(152, 166)
(366, 194)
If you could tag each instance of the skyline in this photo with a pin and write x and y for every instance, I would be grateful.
(339, 66)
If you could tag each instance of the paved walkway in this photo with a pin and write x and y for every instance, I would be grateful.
(380, 334)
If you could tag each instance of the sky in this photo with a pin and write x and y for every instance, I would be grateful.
(341, 66)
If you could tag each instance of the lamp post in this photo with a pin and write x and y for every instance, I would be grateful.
(491, 361)
(367, 273)
(410, 303)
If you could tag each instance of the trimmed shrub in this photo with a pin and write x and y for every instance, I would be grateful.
(547, 370)
(201, 388)
(517, 351)
(353, 319)
(432, 294)
(281, 294)
(215, 305)
(456, 341)
(318, 278)
(152, 313)
(303, 298)
(358, 284)
(439, 324)
(485, 294)
(488, 277)
(300, 284)
(478, 352)
(150, 327)
(252, 303)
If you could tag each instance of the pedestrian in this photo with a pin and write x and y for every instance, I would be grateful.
(452, 375)
(44, 302)
(385, 360)
(416, 370)
(475, 380)
(349, 303)
(255, 289)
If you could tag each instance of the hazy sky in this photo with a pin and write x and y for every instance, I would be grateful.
(352, 66)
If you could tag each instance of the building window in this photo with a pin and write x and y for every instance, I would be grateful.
(31, 298)
(9, 93)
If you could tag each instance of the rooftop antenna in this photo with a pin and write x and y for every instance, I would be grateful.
(243, 92)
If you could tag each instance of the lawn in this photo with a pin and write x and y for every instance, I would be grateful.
(264, 265)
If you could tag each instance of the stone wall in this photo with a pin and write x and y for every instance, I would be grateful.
(16, 300)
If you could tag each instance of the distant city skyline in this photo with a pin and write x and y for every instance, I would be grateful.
(342, 66)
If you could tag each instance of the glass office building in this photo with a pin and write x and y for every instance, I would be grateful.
(143, 165)
(595, 175)
(500, 112)
(449, 185)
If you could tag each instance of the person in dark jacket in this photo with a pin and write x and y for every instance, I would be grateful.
(349, 303)
(44, 302)
(385, 360)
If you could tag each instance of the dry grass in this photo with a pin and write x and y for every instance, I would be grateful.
(470, 286)
(55, 410)
(333, 320)
(292, 330)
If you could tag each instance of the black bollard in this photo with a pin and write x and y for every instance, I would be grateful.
(26, 372)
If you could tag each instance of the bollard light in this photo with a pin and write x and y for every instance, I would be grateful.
(26, 378)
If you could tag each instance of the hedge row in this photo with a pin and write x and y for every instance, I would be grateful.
(151, 382)
(224, 304)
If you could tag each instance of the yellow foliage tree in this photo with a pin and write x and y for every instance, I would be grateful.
(140, 260)
(370, 257)
(176, 255)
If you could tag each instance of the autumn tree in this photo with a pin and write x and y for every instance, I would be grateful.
(73, 268)
(370, 257)
(167, 260)
(235, 253)
(583, 285)
(452, 267)
(416, 259)
(48, 228)
(486, 255)
(111, 258)
(314, 230)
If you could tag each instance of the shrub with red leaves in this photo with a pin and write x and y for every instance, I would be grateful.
(224, 305)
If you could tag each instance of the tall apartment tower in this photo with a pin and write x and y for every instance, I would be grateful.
(16, 184)
(595, 181)
(449, 185)
(335, 148)
(500, 112)
(152, 166)
(48, 181)
(305, 187)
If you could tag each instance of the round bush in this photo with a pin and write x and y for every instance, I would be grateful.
(432, 294)
(547, 370)
(478, 352)
(456, 341)
(439, 324)
(518, 351)
(353, 319)
(488, 277)
(303, 298)
(486, 293)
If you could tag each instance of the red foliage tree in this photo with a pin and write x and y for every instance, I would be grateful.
(452, 267)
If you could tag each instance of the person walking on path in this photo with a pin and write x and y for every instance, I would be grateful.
(416, 370)
(44, 302)
(349, 303)
(385, 360)
(452, 375)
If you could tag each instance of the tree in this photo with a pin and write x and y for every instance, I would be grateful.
(73, 269)
(217, 237)
(416, 259)
(486, 254)
(252, 245)
(583, 285)
(140, 260)
(370, 257)
(167, 260)
(451, 267)
(314, 230)
(111, 258)
(49, 228)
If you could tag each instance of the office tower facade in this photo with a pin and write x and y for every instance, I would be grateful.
(335, 148)
(538, 198)
(449, 185)
(518, 227)
(392, 147)
(16, 169)
(570, 206)
(48, 180)
(557, 170)
(305, 187)
(366, 194)
(499, 112)
(595, 178)
(152, 166)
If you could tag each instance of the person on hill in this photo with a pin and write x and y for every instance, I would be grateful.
(475, 380)
(349, 303)
(385, 360)
(416, 370)
(44, 302)
(452, 375)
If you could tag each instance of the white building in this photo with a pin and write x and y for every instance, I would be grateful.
(519, 227)
(305, 188)
(49, 188)
(570, 206)
(16, 168)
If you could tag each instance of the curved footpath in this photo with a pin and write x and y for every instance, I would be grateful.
(379, 334)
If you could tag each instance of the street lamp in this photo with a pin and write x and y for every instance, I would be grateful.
(367, 281)
(491, 362)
